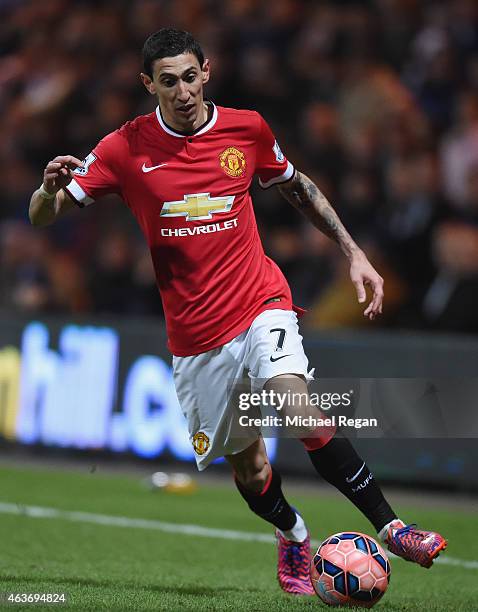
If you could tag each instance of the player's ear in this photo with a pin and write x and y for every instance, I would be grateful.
(206, 71)
(148, 83)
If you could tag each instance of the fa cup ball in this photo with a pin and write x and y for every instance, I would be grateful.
(350, 569)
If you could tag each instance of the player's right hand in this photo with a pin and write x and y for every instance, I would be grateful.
(59, 172)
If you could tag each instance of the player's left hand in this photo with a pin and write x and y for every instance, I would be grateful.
(363, 274)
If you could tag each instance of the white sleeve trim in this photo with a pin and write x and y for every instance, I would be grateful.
(287, 175)
(78, 193)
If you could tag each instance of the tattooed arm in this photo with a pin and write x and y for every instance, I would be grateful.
(302, 193)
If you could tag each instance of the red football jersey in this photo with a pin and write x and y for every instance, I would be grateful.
(190, 195)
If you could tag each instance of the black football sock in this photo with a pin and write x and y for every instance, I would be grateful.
(270, 504)
(340, 465)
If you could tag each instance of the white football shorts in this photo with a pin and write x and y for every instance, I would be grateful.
(207, 384)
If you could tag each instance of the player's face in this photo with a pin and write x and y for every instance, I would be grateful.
(178, 82)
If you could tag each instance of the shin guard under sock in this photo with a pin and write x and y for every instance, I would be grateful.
(340, 465)
(270, 504)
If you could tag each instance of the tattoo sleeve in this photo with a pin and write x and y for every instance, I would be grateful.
(302, 193)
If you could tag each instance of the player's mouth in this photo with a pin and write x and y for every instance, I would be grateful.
(185, 109)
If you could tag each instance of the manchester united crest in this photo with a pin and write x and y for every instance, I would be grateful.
(200, 443)
(233, 162)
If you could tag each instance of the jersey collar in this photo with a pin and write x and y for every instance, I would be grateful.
(205, 127)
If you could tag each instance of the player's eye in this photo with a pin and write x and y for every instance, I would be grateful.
(190, 78)
(168, 82)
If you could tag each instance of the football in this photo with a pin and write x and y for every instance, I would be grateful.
(350, 569)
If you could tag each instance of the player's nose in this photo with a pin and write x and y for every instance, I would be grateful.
(183, 92)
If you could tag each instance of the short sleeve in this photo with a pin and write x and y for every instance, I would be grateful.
(99, 174)
(271, 164)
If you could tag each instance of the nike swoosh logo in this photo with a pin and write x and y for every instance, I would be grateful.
(355, 475)
(277, 358)
(151, 168)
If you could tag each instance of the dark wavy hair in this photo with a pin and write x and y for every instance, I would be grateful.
(169, 42)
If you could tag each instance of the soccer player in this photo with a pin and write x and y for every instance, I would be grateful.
(185, 171)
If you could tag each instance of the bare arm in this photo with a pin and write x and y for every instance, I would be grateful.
(302, 193)
(44, 211)
(49, 203)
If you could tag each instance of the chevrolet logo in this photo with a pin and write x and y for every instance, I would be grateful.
(197, 206)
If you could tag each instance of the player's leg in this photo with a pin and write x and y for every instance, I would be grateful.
(207, 398)
(276, 349)
(338, 463)
(260, 486)
(336, 460)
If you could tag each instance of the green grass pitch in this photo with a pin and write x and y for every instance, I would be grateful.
(106, 567)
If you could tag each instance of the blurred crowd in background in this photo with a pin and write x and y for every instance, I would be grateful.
(376, 101)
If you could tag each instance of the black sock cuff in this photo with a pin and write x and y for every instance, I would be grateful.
(273, 482)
